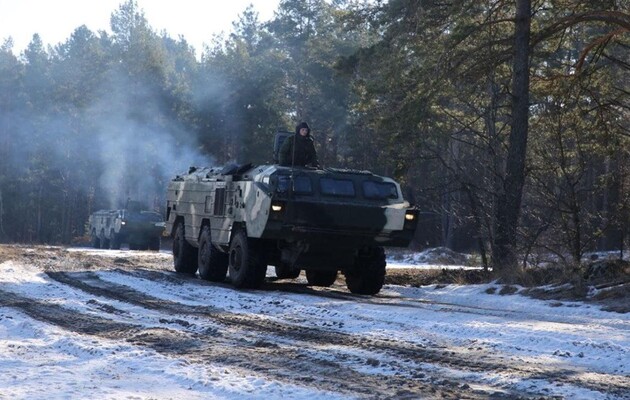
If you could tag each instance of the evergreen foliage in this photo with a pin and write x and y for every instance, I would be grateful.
(422, 91)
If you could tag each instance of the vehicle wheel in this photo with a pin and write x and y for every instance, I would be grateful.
(104, 241)
(321, 278)
(213, 264)
(114, 241)
(96, 241)
(154, 243)
(367, 275)
(284, 272)
(247, 264)
(184, 255)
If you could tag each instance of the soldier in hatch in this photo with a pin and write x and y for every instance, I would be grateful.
(299, 150)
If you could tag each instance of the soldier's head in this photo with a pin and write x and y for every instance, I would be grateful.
(303, 129)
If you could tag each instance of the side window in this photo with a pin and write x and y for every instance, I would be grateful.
(219, 201)
(379, 190)
(283, 183)
(301, 184)
(337, 187)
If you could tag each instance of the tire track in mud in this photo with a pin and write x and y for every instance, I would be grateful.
(64, 317)
(170, 342)
(237, 350)
(403, 353)
(338, 294)
(614, 384)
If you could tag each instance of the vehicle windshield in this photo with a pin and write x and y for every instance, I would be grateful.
(337, 187)
(148, 216)
(301, 184)
(379, 190)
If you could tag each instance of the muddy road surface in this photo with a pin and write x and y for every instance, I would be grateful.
(403, 343)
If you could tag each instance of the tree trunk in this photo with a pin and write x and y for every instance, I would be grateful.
(3, 235)
(509, 202)
(38, 224)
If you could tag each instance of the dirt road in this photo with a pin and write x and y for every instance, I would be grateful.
(392, 345)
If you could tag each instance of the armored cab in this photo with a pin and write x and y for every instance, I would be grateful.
(140, 228)
(240, 219)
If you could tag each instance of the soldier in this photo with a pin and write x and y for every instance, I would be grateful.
(303, 153)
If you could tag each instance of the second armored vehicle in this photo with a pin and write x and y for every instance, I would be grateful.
(240, 219)
(140, 228)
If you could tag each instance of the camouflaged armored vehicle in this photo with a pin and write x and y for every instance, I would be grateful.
(141, 229)
(240, 219)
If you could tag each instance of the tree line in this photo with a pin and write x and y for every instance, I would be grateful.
(507, 123)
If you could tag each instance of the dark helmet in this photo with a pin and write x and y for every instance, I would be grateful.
(302, 125)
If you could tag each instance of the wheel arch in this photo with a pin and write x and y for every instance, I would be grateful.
(204, 222)
(178, 219)
(237, 227)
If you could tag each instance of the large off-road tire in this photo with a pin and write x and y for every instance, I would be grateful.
(284, 272)
(114, 241)
(154, 243)
(184, 255)
(96, 241)
(213, 264)
(321, 278)
(367, 275)
(104, 241)
(247, 264)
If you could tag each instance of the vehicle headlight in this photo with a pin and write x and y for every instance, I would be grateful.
(277, 210)
(411, 219)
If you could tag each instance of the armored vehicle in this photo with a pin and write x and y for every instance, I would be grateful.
(240, 219)
(140, 228)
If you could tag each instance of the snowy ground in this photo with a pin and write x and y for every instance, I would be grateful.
(78, 323)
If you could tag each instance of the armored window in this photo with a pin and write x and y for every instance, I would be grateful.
(150, 216)
(337, 187)
(379, 190)
(283, 183)
(219, 201)
(301, 184)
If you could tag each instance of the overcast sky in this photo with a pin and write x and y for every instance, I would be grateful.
(55, 20)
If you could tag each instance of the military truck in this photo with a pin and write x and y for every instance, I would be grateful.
(140, 228)
(239, 219)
